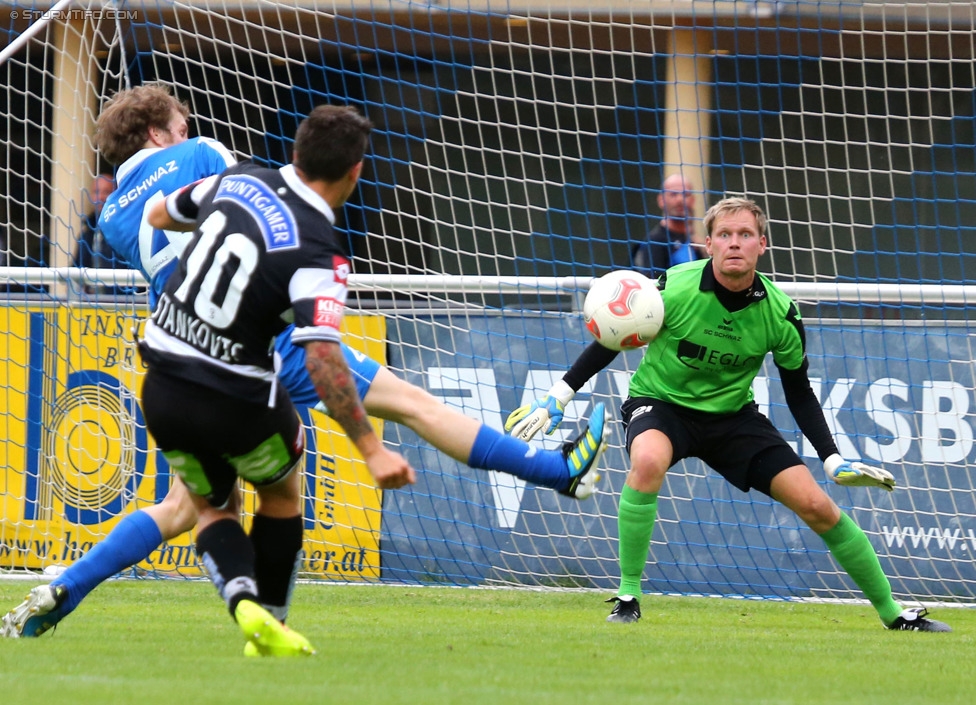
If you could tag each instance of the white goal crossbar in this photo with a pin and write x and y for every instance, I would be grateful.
(866, 292)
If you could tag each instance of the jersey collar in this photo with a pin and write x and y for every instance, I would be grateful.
(134, 161)
(732, 300)
(295, 183)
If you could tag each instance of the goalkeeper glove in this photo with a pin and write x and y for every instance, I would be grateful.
(857, 474)
(528, 420)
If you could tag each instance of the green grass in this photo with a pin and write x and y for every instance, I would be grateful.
(169, 642)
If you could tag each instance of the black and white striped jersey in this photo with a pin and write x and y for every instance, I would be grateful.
(264, 254)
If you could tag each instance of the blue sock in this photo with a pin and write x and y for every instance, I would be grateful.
(493, 450)
(132, 540)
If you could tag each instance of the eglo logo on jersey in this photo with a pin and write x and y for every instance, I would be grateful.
(691, 354)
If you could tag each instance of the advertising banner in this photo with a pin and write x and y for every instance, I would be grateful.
(894, 394)
(76, 455)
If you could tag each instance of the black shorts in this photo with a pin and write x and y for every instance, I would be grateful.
(210, 439)
(744, 448)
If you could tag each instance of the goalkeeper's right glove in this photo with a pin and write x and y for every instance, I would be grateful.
(528, 420)
(857, 474)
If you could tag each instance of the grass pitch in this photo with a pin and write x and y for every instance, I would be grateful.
(170, 642)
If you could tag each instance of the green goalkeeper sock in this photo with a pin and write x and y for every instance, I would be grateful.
(851, 548)
(635, 523)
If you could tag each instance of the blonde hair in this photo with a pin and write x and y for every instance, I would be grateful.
(728, 206)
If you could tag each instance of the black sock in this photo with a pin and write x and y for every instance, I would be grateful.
(228, 556)
(277, 557)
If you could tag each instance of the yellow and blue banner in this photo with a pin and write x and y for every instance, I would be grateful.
(76, 456)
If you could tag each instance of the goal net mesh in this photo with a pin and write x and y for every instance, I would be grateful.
(519, 150)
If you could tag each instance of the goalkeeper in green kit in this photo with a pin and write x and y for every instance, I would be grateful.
(691, 396)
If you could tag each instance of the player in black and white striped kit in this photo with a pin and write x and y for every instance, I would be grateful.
(264, 251)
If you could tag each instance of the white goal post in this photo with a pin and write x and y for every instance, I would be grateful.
(864, 293)
(519, 151)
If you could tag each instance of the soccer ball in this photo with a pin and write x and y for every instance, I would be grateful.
(623, 310)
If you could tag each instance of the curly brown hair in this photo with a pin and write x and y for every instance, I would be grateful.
(123, 125)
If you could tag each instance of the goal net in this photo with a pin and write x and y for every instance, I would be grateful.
(519, 151)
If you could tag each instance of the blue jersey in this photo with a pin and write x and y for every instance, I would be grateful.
(680, 254)
(145, 178)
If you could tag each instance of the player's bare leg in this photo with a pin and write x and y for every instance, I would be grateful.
(572, 471)
(176, 514)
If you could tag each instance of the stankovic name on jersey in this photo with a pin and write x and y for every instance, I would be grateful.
(192, 330)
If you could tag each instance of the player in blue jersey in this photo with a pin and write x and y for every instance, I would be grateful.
(144, 130)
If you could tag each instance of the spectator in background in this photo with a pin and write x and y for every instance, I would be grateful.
(93, 251)
(670, 241)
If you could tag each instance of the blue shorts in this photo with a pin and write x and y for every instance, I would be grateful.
(294, 377)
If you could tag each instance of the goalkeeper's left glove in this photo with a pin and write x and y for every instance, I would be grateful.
(857, 474)
(547, 412)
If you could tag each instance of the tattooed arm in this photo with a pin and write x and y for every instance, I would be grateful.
(333, 381)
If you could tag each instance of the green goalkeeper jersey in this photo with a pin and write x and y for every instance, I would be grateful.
(706, 356)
